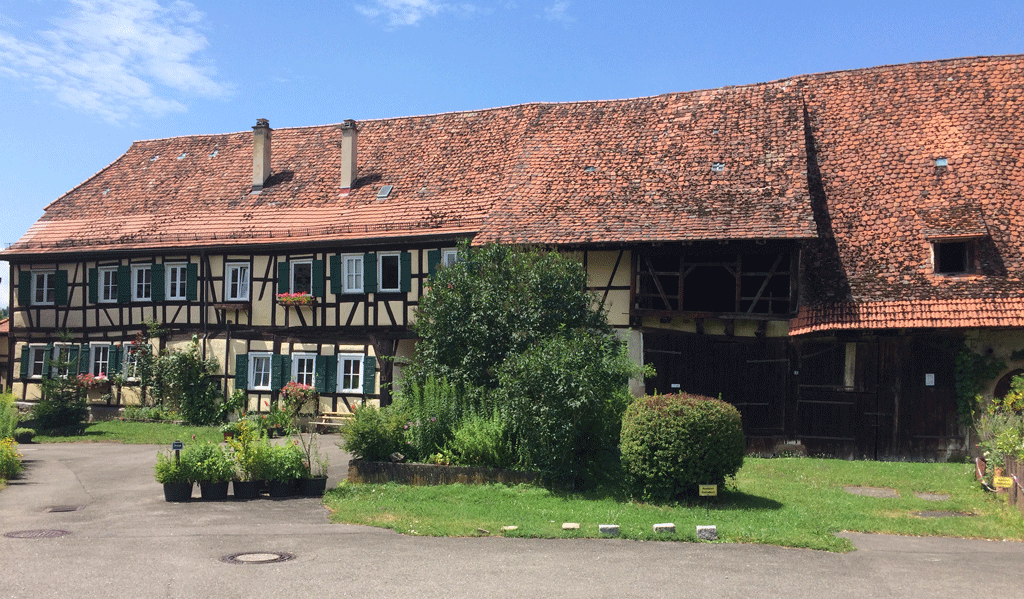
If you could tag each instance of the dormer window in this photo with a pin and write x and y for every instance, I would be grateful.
(953, 257)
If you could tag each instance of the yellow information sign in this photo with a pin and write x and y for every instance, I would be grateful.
(1002, 482)
(709, 490)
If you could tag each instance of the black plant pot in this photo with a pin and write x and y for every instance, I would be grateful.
(282, 488)
(177, 492)
(214, 491)
(312, 487)
(247, 489)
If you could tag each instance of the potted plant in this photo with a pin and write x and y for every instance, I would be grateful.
(174, 476)
(249, 451)
(230, 429)
(284, 466)
(313, 481)
(278, 421)
(212, 469)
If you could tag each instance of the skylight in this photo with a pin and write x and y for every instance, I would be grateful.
(717, 167)
(384, 192)
(941, 162)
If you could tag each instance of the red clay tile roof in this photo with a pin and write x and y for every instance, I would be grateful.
(5, 326)
(882, 199)
(844, 160)
(516, 174)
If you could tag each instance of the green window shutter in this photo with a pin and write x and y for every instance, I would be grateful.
(336, 274)
(46, 360)
(60, 288)
(25, 354)
(84, 366)
(192, 282)
(24, 287)
(318, 278)
(114, 363)
(159, 288)
(275, 372)
(94, 285)
(369, 375)
(283, 272)
(286, 370)
(405, 262)
(331, 374)
(320, 373)
(124, 284)
(242, 371)
(370, 272)
(433, 259)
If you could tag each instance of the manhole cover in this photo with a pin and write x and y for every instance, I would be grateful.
(63, 508)
(942, 514)
(257, 558)
(36, 534)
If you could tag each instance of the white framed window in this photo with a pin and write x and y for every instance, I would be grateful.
(449, 256)
(389, 272)
(259, 370)
(302, 277)
(177, 276)
(304, 368)
(107, 284)
(99, 359)
(43, 287)
(36, 361)
(142, 283)
(236, 282)
(352, 279)
(65, 358)
(350, 373)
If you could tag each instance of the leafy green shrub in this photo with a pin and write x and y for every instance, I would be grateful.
(432, 409)
(673, 443)
(284, 462)
(24, 435)
(168, 470)
(480, 441)
(207, 462)
(1001, 426)
(374, 434)
(250, 451)
(8, 415)
(10, 459)
(564, 398)
(185, 379)
(148, 413)
(56, 415)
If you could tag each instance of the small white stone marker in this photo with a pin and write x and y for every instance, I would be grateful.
(570, 526)
(611, 530)
(707, 533)
(664, 527)
(509, 528)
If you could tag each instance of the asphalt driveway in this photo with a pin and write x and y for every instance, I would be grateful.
(124, 540)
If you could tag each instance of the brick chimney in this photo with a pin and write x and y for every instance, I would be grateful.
(349, 136)
(260, 153)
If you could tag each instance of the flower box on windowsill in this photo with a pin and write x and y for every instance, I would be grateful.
(232, 306)
(296, 299)
(90, 382)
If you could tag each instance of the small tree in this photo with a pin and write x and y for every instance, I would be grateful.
(184, 379)
(63, 403)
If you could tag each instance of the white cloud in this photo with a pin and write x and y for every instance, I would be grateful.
(116, 58)
(399, 13)
(558, 11)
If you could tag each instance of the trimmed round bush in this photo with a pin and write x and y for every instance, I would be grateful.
(671, 444)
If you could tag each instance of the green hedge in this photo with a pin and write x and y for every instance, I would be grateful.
(671, 444)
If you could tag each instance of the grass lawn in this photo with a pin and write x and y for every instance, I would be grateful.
(794, 502)
(136, 433)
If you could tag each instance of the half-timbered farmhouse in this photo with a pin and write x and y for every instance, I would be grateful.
(815, 250)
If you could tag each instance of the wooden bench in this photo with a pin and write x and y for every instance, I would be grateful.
(329, 420)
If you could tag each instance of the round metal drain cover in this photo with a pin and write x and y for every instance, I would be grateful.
(36, 534)
(259, 557)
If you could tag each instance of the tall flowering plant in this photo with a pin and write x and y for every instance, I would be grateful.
(295, 395)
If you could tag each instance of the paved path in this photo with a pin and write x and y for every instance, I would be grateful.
(127, 542)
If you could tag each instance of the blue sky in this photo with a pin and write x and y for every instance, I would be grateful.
(81, 79)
